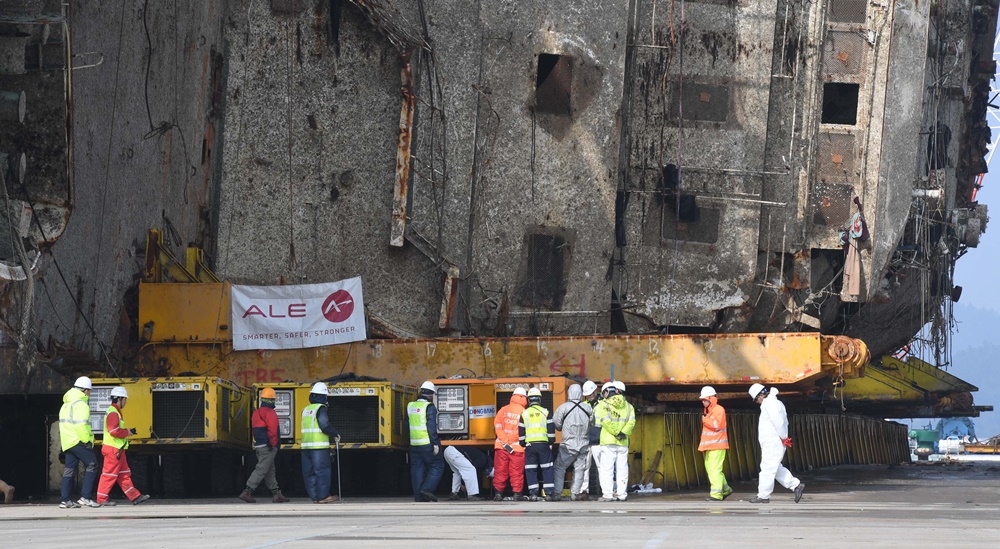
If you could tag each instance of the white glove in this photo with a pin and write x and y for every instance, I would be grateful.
(436, 449)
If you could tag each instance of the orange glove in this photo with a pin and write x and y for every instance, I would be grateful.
(786, 442)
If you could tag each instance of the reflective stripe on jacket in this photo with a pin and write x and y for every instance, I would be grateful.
(713, 427)
(312, 436)
(109, 438)
(614, 415)
(74, 419)
(505, 424)
(416, 412)
(536, 426)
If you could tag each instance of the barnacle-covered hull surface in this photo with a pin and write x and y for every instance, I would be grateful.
(501, 169)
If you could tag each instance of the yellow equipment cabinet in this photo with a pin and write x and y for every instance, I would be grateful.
(177, 411)
(467, 407)
(367, 414)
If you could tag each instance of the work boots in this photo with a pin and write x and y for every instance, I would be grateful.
(278, 497)
(247, 496)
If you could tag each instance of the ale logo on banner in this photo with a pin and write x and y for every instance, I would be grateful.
(297, 316)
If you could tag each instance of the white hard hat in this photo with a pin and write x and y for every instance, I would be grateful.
(520, 391)
(319, 388)
(119, 392)
(428, 386)
(589, 387)
(83, 382)
(534, 392)
(755, 390)
(620, 385)
(607, 386)
(707, 391)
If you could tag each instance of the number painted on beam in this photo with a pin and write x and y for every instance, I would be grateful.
(487, 352)
(377, 350)
(431, 349)
(654, 347)
(543, 347)
(599, 347)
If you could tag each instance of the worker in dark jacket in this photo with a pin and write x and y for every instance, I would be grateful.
(316, 434)
(537, 433)
(426, 462)
(467, 466)
(264, 423)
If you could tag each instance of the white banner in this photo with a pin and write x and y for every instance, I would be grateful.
(295, 317)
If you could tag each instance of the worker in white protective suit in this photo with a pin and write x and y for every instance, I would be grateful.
(772, 433)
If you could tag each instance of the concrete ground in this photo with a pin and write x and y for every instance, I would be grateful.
(925, 505)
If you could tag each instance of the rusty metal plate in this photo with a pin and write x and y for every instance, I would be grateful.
(844, 53)
(700, 102)
(831, 203)
(836, 156)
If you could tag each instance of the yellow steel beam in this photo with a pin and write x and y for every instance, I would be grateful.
(162, 266)
(910, 389)
(656, 361)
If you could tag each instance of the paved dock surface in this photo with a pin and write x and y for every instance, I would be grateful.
(926, 505)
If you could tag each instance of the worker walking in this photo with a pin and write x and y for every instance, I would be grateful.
(616, 417)
(508, 453)
(426, 462)
(77, 443)
(264, 423)
(573, 419)
(537, 433)
(316, 434)
(116, 469)
(772, 433)
(467, 466)
(714, 443)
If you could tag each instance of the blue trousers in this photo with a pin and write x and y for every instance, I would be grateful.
(316, 473)
(425, 470)
(538, 462)
(74, 456)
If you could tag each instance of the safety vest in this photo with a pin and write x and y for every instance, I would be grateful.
(535, 422)
(313, 437)
(416, 412)
(713, 429)
(614, 420)
(109, 440)
(74, 419)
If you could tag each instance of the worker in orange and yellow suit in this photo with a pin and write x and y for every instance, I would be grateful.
(714, 443)
(115, 443)
(508, 454)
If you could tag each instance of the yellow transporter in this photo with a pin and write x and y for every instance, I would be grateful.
(467, 407)
(367, 414)
(177, 412)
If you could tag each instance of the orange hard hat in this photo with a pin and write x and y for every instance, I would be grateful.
(267, 392)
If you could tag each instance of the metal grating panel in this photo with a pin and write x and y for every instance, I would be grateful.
(224, 401)
(355, 418)
(503, 399)
(836, 155)
(844, 53)
(700, 102)
(831, 203)
(399, 419)
(178, 414)
(847, 11)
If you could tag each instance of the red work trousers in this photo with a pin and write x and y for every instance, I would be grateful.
(115, 469)
(508, 466)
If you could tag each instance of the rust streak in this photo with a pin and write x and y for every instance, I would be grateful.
(403, 155)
